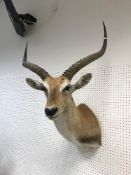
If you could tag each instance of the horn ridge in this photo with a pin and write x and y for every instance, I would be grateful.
(33, 67)
(72, 70)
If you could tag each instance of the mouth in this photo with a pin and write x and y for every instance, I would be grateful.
(52, 117)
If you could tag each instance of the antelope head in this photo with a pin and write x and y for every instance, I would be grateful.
(59, 90)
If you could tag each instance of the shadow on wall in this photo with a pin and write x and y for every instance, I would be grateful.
(6, 165)
(68, 164)
(45, 13)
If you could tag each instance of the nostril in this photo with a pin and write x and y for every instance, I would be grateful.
(51, 111)
(47, 111)
(54, 110)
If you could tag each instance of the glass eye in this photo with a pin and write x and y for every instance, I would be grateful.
(67, 88)
(44, 89)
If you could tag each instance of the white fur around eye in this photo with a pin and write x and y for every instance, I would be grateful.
(64, 84)
(46, 85)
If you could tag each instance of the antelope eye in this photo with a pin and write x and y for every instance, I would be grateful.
(67, 88)
(44, 89)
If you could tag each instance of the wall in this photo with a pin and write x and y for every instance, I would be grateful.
(73, 32)
(29, 142)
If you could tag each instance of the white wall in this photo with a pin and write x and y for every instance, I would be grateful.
(29, 142)
(74, 31)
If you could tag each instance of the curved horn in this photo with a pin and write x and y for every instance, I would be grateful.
(33, 67)
(72, 70)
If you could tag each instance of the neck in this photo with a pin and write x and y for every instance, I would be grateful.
(71, 111)
(68, 120)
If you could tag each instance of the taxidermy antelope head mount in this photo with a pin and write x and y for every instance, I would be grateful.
(77, 124)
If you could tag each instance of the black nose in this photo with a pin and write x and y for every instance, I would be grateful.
(51, 111)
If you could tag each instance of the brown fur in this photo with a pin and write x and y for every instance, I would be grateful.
(82, 123)
(90, 126)
(77, 124)
(54, 98)
(87, 129)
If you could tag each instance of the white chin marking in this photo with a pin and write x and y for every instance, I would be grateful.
(64, 84)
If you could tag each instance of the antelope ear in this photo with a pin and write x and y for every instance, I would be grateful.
(34, 84)
(84, 80)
